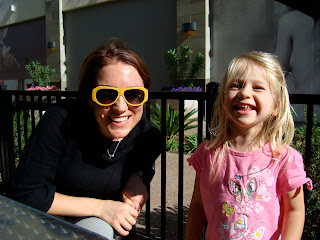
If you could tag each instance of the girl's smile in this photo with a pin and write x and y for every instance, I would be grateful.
(248, 99)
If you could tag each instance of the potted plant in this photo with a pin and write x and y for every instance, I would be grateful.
(41, 74)
(184, 69)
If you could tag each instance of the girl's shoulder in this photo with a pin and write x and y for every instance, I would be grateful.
(206, 146)
(204, 151)
(289, 153)
(289, 158)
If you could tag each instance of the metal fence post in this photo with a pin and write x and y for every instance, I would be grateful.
(7, 162)
(212, 91)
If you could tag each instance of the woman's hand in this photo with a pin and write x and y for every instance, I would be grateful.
(119, 215)
(135, 192)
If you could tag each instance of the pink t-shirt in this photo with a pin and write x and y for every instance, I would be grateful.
(244, 200)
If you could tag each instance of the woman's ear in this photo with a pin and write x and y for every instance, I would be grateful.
(90, 102)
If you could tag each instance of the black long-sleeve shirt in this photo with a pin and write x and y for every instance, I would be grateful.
(66, 153)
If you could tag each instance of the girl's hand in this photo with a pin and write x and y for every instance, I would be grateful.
(135, 192)
(293, 216)
(119, 215)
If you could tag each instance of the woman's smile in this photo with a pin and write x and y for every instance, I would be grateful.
(117, 120)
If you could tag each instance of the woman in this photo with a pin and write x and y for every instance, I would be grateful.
(89, 159)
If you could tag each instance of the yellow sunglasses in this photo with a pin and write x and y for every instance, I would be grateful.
(106, 96)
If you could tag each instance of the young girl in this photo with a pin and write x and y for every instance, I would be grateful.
(249, 180)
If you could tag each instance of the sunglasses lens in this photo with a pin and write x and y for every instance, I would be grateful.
(134, 96)
(106, 96)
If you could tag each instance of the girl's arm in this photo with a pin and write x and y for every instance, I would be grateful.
(119, 215)
(196, 215)
(293, 216)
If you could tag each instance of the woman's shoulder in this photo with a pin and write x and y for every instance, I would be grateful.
(63, 114)
(65, 106)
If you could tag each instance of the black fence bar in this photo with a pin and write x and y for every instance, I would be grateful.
(29, 104)
(307, 152)
(200, 121)
(180, 167)
(6, 136)
(211, 94)
(163, 170)
(310, 101)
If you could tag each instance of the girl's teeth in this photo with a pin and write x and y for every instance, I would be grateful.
(245, 107)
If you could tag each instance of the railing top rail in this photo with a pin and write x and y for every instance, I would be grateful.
(41, 93)
(179, 95)
(294, 98)
(305, 99)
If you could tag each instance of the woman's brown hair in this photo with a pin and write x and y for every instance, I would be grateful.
(115, 50)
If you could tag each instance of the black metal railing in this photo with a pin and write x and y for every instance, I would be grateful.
(23, 107)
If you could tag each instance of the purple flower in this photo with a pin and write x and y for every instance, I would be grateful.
(186, 89)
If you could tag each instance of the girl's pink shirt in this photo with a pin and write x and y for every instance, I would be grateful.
(244, 200)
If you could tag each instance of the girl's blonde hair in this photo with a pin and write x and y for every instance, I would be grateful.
(278, 130)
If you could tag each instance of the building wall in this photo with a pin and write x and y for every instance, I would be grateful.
(24, 11)
(19, 44)
(195, 11)
(239, 27)
(72, 5)
(148, 26)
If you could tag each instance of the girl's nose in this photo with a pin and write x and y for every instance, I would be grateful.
(244, 92)
(120, 105)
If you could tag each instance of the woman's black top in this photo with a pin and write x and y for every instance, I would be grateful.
(66, 153)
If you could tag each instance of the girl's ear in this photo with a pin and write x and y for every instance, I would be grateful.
(275, 112)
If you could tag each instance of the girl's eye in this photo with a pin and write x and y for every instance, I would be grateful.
(235, 85)
(259, 87)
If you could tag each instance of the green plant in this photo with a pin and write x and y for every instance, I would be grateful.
(42, 74)
(191, 143)
(172, 145)
(182, 70)
(312, 199)
(20, 131)
(172, 120)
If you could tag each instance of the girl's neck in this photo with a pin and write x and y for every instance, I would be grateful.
(246, 141)
(245, 145)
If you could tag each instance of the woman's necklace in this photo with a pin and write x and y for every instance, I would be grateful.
(112, 155)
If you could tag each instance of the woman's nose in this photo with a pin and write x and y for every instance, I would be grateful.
(120, 105)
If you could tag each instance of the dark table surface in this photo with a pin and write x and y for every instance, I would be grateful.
(18, 221)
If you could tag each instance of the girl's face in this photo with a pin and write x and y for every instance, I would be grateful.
(248, 99)
(117, 120)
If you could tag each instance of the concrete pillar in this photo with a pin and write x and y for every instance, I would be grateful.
(56, 57)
